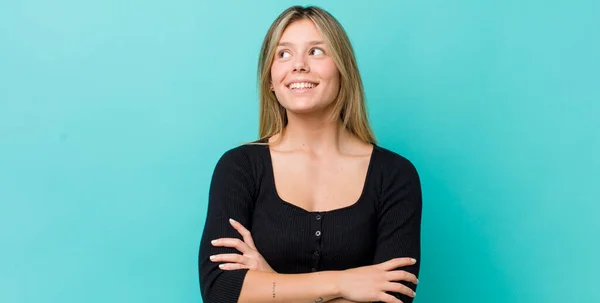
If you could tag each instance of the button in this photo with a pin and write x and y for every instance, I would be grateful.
(313, 269)
(318, 233)
(318, 217)
(316, 253)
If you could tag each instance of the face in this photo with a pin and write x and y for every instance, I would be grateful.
(304, 76)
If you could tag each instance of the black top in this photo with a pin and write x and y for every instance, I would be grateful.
(384, 223)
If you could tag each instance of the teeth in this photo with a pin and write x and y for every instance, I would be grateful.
(301, 85)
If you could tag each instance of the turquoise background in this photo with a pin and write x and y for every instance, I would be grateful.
(114, 113)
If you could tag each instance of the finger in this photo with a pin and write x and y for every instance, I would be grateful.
(401, 275)
(244, 232)
(232, 266)
(395, 263)
(383, 297)
(399, 288)
(229, 258)
(233, 243)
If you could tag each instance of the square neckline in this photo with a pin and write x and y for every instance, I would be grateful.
(273, 187)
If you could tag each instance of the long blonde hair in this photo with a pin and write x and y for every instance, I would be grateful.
(349, 105)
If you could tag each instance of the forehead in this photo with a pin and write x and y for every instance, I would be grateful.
(300, 31)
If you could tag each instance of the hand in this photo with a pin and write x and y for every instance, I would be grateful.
(370, 283)
(250, 257)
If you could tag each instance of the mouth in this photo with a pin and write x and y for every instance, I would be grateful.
(302, 87)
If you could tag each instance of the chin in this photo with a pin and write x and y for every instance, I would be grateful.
(303, 109)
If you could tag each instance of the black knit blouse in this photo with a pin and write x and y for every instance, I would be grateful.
(384, 223)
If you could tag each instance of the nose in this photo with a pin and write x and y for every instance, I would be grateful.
(300, 64)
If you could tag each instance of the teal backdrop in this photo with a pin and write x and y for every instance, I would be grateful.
(114, 113)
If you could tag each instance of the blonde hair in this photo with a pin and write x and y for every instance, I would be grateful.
(349, 105)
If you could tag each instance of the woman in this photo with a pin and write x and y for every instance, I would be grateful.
(314, 211)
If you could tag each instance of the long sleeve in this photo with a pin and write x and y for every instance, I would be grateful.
(399, 218)
(231, 195)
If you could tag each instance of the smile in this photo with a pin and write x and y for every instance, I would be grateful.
(302, 87)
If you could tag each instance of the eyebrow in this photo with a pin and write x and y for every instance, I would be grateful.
(309, 43)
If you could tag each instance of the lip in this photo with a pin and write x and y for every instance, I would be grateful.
(300, 91)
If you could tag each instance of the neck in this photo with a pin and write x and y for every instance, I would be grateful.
(314, 134)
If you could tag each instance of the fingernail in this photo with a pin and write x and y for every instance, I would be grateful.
(417, 281)
(221, 265)
(232, 221)
(414, 294)
(212, 257)
(213, 242)
(413, 260)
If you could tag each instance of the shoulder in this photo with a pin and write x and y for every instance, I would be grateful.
(394, 165)
(400, 183)
(246, 160)
(245, 155)
(246, 150)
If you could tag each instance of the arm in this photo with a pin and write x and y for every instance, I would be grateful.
(399, 215)
(260, 287)
(366, 283)
(252, 259)
(231, 195)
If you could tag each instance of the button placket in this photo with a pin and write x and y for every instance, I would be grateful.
(316, 229)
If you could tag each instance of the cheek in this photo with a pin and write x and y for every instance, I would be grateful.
(333, 79)
(330, 72)
(277, 74)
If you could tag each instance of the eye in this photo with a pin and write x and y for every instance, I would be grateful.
(317, 51)
(283, 54)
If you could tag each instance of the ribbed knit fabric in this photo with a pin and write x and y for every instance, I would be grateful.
(384, 223)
